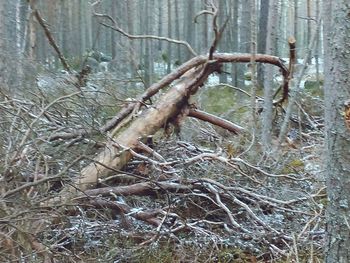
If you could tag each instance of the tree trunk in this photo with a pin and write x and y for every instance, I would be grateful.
(205, 43)
(268, 82)
(253, 66)
(222, 46)
(178, 59)
(32, 37)
(262, 35)
(160, 25)
(296, 28)
(318, 51)
(189, 27)
(308, 32)
(117, 152)
(337, 88)
(237, 72)
(169, 55)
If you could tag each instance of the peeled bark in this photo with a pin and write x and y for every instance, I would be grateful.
(116, 154)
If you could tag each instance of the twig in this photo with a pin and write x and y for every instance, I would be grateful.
(115, 27)
(225, 208)
(41, 181)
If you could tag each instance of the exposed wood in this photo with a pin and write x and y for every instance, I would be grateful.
(116, 153)
(170, 78)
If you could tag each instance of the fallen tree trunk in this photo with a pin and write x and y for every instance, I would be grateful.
(168, 79)
(116, 153)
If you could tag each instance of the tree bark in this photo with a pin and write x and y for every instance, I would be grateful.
(337, 88)
(169, 53)
(268, 82)
(262, 35)
(116, 154)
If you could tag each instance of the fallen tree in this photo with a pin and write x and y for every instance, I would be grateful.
(169, 109)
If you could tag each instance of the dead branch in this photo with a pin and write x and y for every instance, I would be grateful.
(139, 189)
(152, 90)
(58, 176)
(204, 116)
(168, 79)
(292, 58)
(116, 153)
(115, 27)
(20, 147)
(124, 209)
(217, 31)
(49, 36)
(147, 124)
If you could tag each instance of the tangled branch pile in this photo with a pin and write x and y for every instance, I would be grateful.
(213, 196)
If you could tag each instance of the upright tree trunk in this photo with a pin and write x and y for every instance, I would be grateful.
(308, 11)
(244, 37)
(177, 33)
(130, 7)
(223, 13)
(205, 45)
(189, 27)
(88, 26)
(149, 59)
(2, 26)
(262, 35)
(296, 28)
(113, 34)
(253, 51)
(169, 55)
(237, 70)
(64, 28)
(82, 25)
(318, 46)
(268, 82)
(245, 28)
(160, 25)
(32, 37)
(337, 90)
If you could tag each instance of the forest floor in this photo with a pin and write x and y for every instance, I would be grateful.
(203, 195)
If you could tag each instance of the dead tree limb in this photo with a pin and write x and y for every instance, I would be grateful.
(115, 27)
(121, 208)
(173, 103)
(173, 76)
(204, 116)
(116, 153)
(152, 90)
(292, 60)
(49, 36)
